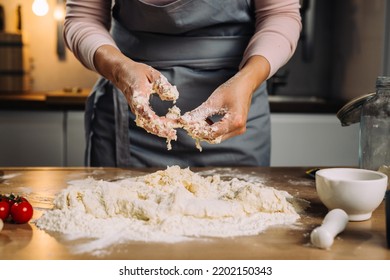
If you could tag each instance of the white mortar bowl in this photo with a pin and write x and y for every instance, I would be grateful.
(357, 191)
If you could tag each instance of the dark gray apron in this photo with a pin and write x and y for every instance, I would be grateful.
(197, 45)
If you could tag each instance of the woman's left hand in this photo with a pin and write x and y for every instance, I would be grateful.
(231, 101)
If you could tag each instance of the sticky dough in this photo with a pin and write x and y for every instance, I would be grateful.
(167, 92)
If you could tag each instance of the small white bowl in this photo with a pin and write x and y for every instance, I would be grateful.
(357, 191)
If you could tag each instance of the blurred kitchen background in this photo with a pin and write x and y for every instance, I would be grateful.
(46, 67)
(342, 49)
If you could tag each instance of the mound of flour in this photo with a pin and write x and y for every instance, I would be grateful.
(170, 205)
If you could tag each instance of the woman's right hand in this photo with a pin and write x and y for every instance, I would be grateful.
(138, 81)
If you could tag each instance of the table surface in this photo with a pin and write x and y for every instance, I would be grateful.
(360, 240)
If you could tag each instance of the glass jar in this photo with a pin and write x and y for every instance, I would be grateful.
(374, 142)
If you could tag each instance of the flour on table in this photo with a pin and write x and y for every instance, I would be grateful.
(169, 205)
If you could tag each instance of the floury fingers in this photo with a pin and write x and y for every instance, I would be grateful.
(165, 90)
(146, 118)
(165, 126)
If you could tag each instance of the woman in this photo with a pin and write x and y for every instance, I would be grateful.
(216, 53)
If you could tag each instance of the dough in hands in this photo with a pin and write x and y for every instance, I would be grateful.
(161, 126)
(171, 120)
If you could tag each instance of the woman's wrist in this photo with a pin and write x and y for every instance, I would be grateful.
(107, 62)
(255, 72)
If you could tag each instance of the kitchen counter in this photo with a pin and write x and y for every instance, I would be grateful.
(360, 240)
(74, 99)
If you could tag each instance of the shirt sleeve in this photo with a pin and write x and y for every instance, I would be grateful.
(86, 28)
(278, 26)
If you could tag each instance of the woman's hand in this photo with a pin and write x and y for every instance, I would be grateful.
(138, 81)
(231, 101)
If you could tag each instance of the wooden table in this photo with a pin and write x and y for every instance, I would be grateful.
(360, 240)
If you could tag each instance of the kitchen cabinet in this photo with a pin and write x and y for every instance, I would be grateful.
(41, 138)
(75, 138)
(313, 140)
(297, 140)
(57, 138)
(31, 138)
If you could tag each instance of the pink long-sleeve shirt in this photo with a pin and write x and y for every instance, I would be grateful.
(278, 26)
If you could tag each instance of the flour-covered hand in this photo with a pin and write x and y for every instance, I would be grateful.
(229, 104)
(138, 98)
(138, 82)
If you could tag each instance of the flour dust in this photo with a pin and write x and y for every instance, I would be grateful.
(172, 205)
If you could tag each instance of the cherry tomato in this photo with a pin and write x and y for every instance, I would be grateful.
(21, 212)
(10, 199)
(4, 210)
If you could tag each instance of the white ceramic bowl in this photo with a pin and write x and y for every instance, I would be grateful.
(357, 191)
